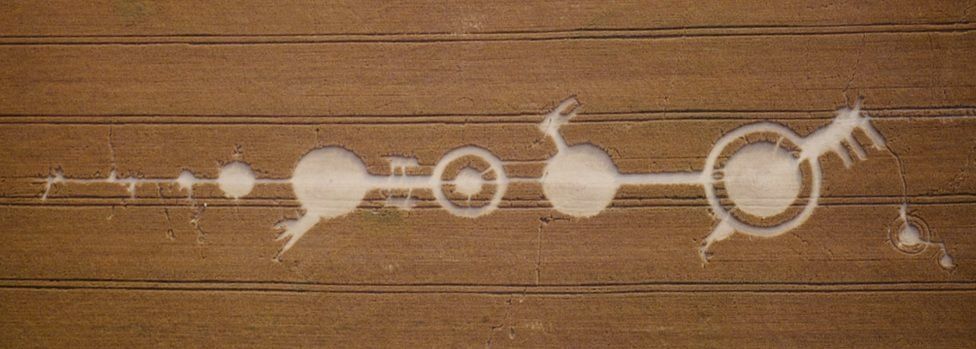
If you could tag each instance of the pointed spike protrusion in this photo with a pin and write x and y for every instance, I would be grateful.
(132, 189)
(856, 109)
(877, 140)
(567, 109)
(844, 156)
(566, 104)
(856, 148)
(722, 231)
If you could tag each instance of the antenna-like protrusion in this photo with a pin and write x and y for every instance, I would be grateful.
(566, 110)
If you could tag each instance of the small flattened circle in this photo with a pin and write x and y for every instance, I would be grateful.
(468, 182)
(910, 235)
(236, 179)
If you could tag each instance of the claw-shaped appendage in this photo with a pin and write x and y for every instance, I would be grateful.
(566, 110)
(722, 231)
(292, 230)
(832, 139)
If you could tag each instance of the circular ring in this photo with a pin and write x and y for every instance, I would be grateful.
(724, 215)
(921, 240)
(494, 164)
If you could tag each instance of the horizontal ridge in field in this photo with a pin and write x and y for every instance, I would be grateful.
(908, 70)
(394, 120)
(49, 318)
(625, 34)
(509, 247)
(63, 18)
(443, 289)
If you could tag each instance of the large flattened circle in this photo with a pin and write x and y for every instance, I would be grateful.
(580, 181)
(711, 168)
(763, 179)
(330, 182)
